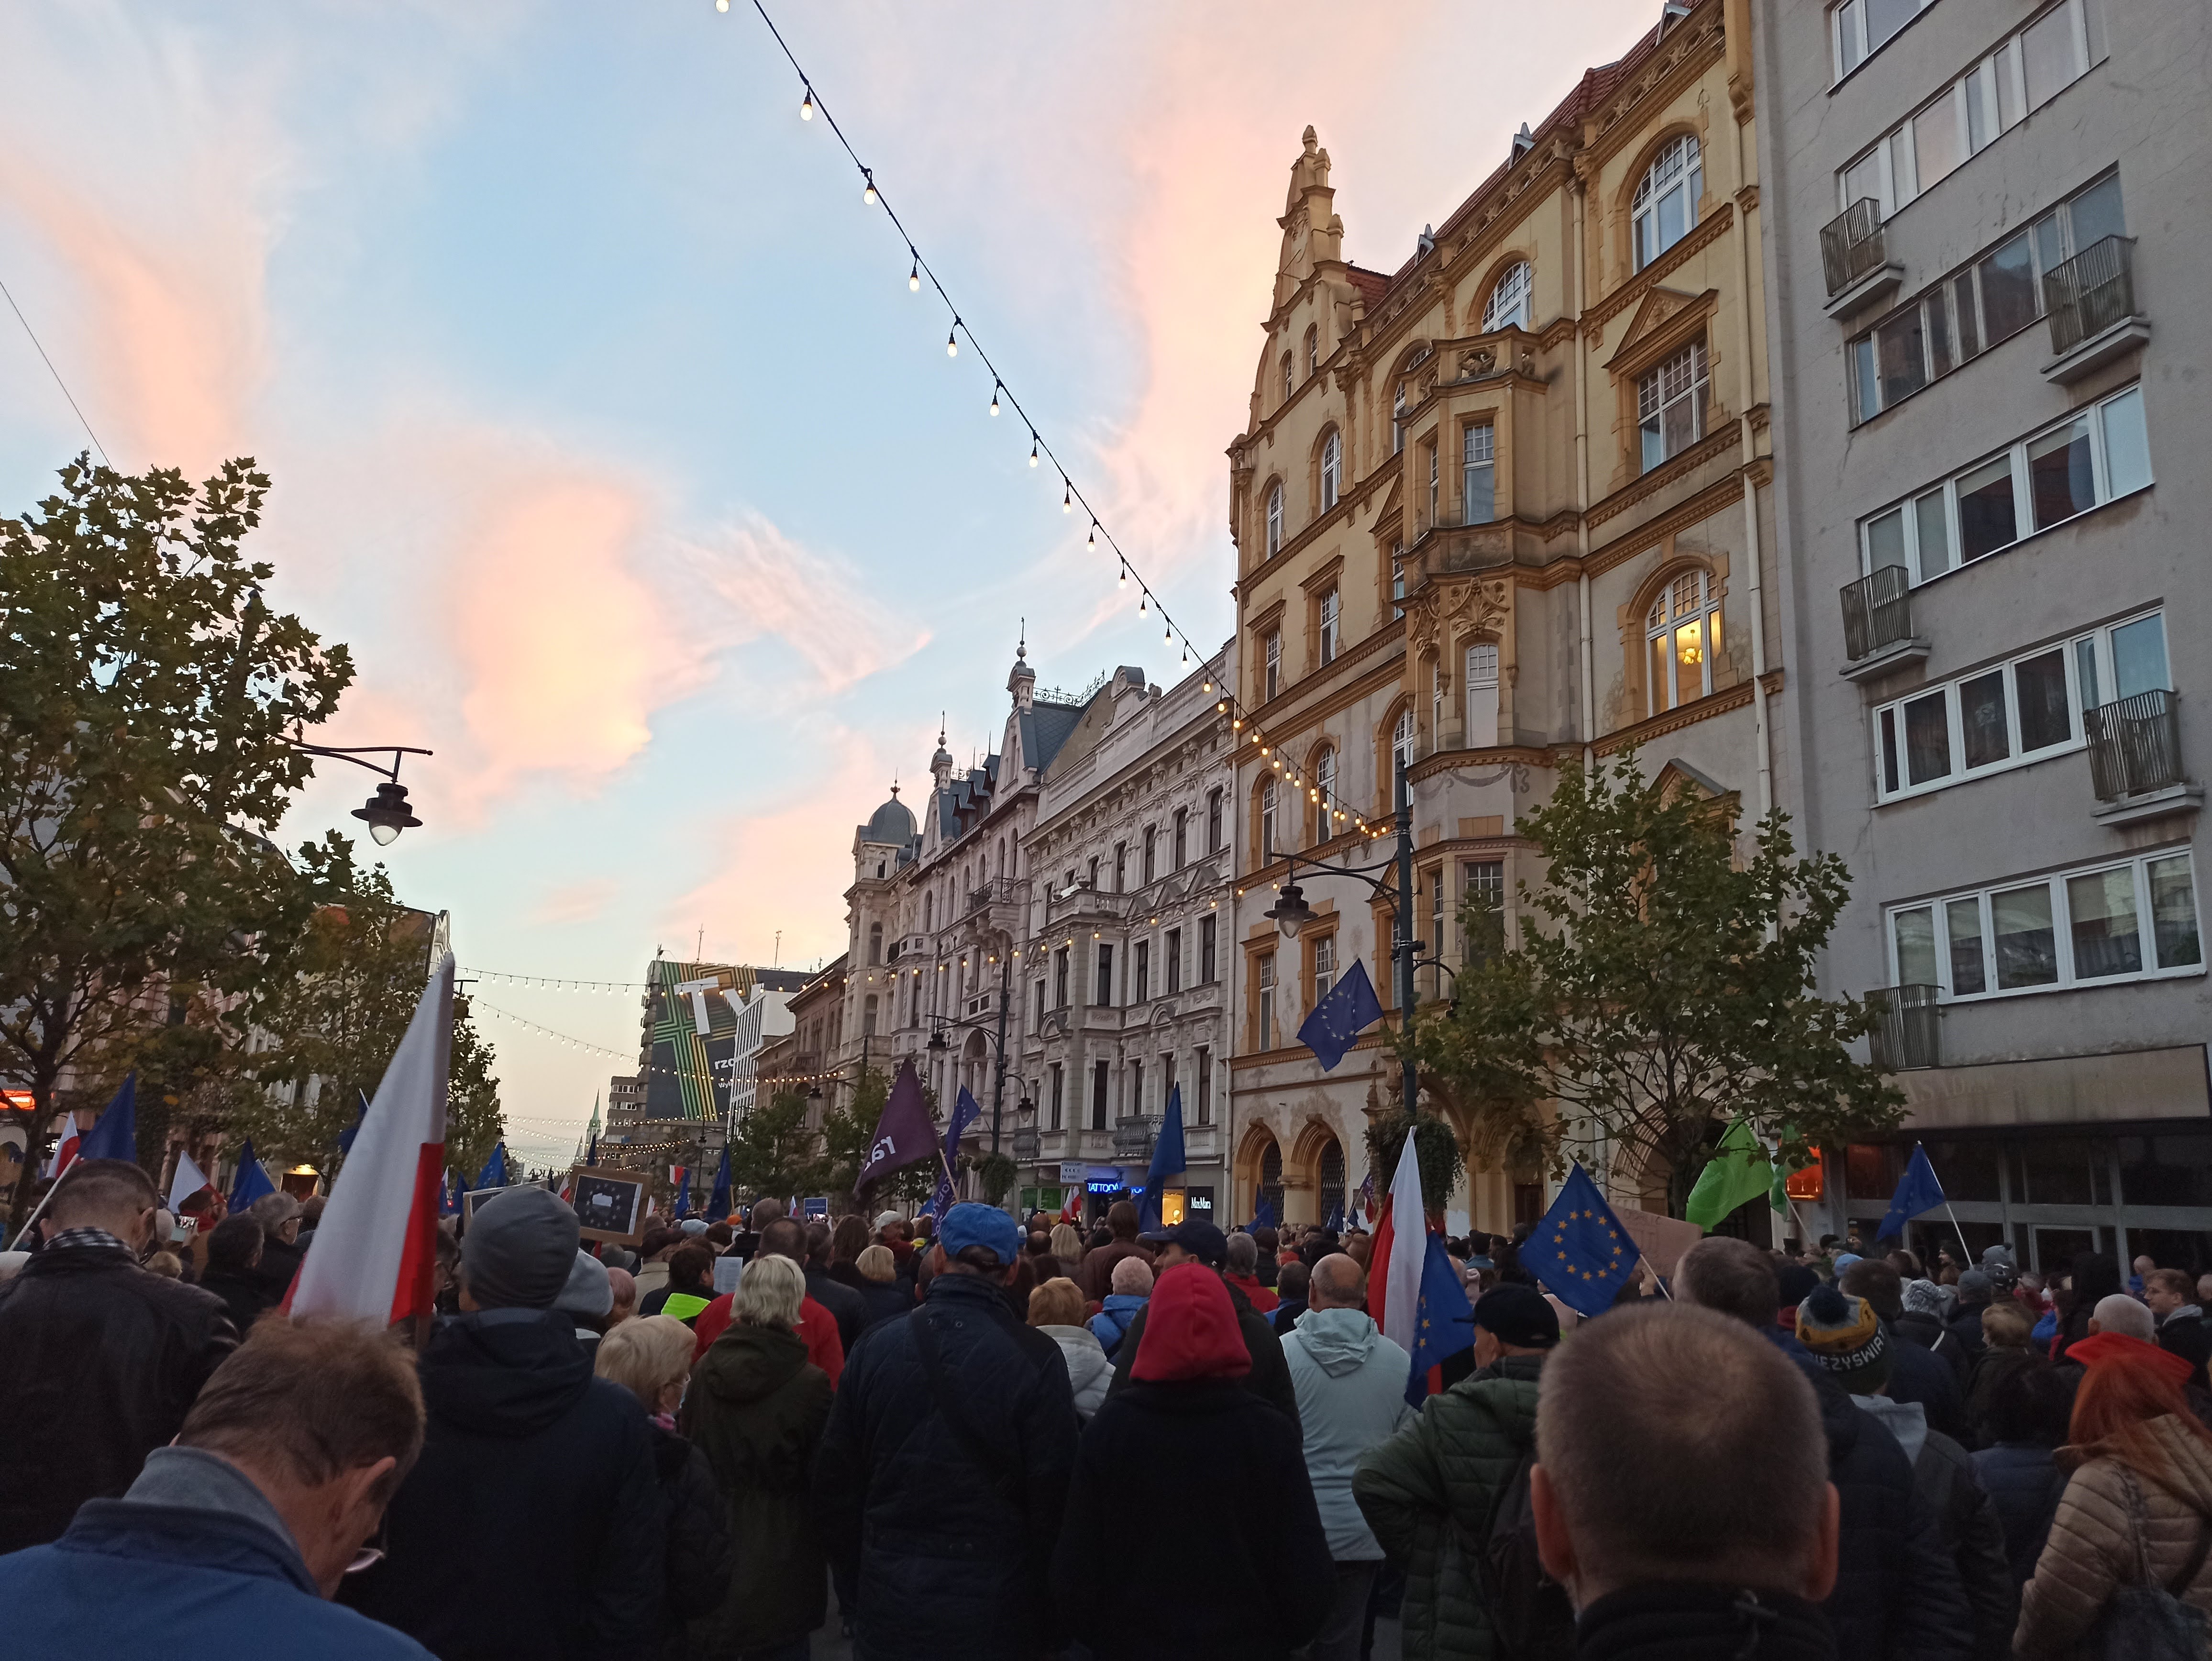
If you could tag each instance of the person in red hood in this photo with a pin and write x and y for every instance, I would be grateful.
(2121, 1326)
(1184, 1423)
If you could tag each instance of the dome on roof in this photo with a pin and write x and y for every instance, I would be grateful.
(892, 822)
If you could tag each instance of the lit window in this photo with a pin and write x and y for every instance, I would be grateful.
(1682, 632)
(1508, 306)
(1666, 205)
(1478, 454)
(1670, 405)
(1332, 467)
(1274, 520)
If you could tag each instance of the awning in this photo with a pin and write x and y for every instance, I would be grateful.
(2060, 1089)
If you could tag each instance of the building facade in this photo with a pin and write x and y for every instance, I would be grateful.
(1507, 503)
(1125, 983)
(1981, 221)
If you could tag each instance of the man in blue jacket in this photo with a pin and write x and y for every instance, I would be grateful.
(241, 1529)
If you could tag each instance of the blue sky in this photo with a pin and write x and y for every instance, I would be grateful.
(604, 427)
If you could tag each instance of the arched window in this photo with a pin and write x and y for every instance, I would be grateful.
(1480, 688)
(1682, 632)
(929, 912)
(1312, 350)
(1274, 519)
(875, 943)
(1332, 468)
(868, 1015)
(1508, 306)
(1401, 751)
(1286, 377)
(1268, 794)
(1325, 784)
(1667, 201)
(1398, 420)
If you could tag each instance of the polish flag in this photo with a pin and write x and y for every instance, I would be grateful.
(376, 1246)
(64, 1150)
(1394, 1279)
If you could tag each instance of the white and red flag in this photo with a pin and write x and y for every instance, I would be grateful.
(1394, 1278)
(376, 1246)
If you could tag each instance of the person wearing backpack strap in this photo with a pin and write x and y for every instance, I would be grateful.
(2124, 1572)
(1431, 1493)
(1680, 1492)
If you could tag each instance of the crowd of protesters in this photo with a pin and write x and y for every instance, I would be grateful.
(994, 1439)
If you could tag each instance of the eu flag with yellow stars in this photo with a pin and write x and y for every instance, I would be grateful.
(1581, 1251)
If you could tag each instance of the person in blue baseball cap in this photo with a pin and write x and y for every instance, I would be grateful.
(961, 1415)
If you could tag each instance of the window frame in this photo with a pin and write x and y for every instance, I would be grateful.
(1472, 684)
(1406, 739)
(1275, 535)
(1840, 19)
(1271, 652)
(2058, 885)
(1673, 618)
(1889, 742)
(1324, 976)
(1518, 304)
(1171, 953)
(1652, 192)
(1324, 776)
(1478, 464)
(1653, 402)
(1270, 806)
(1209, 943)
(1332, 469)
(1330, 624)
(1263, 1002)
(1910, 511)
(1312, 350)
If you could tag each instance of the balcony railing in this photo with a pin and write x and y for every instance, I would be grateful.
(1027, 1145)
(2134, 746)
(1906, 1035)
(1877, 612)
(1851, 245)
(2090, 292)
(1132, 1138)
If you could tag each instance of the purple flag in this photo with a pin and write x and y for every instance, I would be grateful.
(905, 1133)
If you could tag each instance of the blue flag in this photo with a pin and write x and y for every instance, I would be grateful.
(1169, 1159)
(1581, 1251)
(116, 1135)
(346, 1136)
(1919, 1191)
(494, 1174)
(1263, 1213)
(681, 1176)
(1338, 1019)
(718, 1202)
(1336, 1223)
(1443, 1323)
(965, 1111)
(251, 1182)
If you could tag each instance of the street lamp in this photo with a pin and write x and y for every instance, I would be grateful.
(1290, 911)
(388, 811)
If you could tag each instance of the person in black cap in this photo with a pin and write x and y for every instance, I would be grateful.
(532, 1522)
(1199, 1242)
(1436, 1482)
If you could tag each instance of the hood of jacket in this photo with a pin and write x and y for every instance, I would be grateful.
(504, 1371)
(2116, 1346)
(1191, 1329)
(1338, 1340)
(1123, 1306)
(1075, 1341)
(1905, 1420)
(748, 1364)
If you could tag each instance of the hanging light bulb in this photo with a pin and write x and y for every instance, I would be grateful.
(1067, 497)
(994, 398)
(952, 340)
(1091, 541)
(721, 5)
(1143, 600)
(1186, 658)
(914, 274)
(1122, 581)
(868, 195)
(806, 106)
(1168, 635)
(1033, 449)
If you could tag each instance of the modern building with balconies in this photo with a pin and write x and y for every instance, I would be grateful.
(1981, 218)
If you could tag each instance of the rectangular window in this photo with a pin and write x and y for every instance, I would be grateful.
(1058, 1098)
(1273, 682)
(1121, 867)
(1174, 960)
(2092, 457)
(1670, 405)
(1330, 610)
(2024, 72)
(1429, 451)
(1144, 969)
(1036, 1024)
(1099, 1086)
(1104, 991)
(1483, 880)
(1205, 935)
(1989, 722)
(1265, 1008)
(1060, 978)
(1202, 1063)
(1398, 579)
(2083, 928)
(1136, 1090)
(1151, 853)
(1993, 298)
(1478, 454)
(1479, 689)
(1182, 837)
(1324, 966)
(1213, 821)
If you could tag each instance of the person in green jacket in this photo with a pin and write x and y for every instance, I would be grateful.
(1428, 1492)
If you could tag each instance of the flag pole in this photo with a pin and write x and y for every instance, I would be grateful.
(1963, 1247)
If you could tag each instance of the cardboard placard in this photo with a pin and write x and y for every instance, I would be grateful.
(611, 1205)
(1661, 1239)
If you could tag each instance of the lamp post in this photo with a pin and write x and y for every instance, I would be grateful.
(388, 811)
(1290, 912)
(940, 1025)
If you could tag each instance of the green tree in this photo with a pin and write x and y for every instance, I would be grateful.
(846, 1134)
(775, 1152)
(1661, 984)
(145, 692)
(1436, 1151)
(475, 1122)
(334, 1016)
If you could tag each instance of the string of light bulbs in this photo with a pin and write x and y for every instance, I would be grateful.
(918, 268)
(551, 983)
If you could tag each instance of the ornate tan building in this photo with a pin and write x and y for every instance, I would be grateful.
(1503, 504)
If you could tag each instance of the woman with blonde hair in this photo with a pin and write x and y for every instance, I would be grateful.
(882, 1289)
(1056, 1310)
(651, 1359)
(757, 1407)
(1067, 1248)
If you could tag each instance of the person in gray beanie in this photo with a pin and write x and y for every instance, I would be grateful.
(589, 1297)
(531, 1524)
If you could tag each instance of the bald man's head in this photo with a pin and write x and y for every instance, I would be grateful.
(1338, 1283)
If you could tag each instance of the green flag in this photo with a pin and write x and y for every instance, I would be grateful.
(1740, 1169)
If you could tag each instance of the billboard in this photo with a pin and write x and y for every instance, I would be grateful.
(691, 1023)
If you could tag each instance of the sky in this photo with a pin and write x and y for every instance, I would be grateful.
(605, 430)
